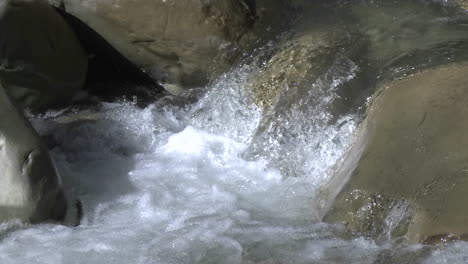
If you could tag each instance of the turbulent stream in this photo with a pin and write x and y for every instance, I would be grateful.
(179, 182)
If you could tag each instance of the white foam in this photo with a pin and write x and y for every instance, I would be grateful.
(161, 188)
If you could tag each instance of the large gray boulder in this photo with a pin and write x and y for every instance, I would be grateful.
(30, 187)
(174, 40)
(41, 61)
(407, 175)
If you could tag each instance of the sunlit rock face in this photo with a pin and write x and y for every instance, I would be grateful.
(410, 178)
(41, 61)
(175, 41)
(300, 61)
(312, 42)
(30, 187)
(462, 3)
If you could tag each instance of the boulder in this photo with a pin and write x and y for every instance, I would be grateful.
(407, 174)
(297, 64)
(311, 74)
(41, 61)
(31, 189)
(462, 3)
(309, 40)
(173, 40)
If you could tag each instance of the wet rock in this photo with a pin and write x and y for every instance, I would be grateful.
(111, 76)
(175, 41)
(397, 28)
(304, 87)
(41, 61)
(266, 30)
(407, 174)
(462, 3)
(31, 189)
(299, 63)
(314, 41)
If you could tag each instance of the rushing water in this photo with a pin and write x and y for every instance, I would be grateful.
(197, 182)
(168, 184)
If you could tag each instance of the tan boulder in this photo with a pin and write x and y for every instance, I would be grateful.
(462, 3)
(300, 62)
(407, 175)
(41, 61)
(175, 41)
(297, 63)
(30, 187)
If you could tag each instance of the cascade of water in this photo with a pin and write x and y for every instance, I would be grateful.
(219, 180)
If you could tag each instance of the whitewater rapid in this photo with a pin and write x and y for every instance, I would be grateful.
(180, 182)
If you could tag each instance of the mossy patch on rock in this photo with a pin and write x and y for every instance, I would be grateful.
(299, 62)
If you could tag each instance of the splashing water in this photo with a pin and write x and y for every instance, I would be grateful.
(169, 185)
(206, 182)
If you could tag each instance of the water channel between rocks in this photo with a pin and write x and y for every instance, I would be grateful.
(221, 180)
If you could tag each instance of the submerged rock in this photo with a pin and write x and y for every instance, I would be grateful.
(31, 189)
(407, 174)
(41, 61)
(175, 41)
(396, 28)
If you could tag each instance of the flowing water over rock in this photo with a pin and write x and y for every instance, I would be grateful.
(222, 180)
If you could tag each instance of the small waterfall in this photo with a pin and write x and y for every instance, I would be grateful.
(216, 178)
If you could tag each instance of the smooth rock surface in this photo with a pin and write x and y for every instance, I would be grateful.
(41, 62)
(30, 187)
(408, 172)
(400, 27)
(174, 41)
(462, 3)
(110, 75)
